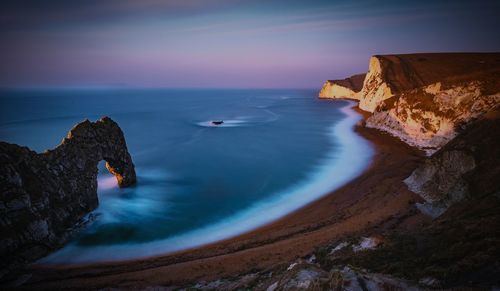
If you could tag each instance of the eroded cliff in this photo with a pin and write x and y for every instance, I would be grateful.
(467, 167)
(423, 99)
(430, 116)
(345, 88)
(427, 100)
(44, 195)
(390, 75)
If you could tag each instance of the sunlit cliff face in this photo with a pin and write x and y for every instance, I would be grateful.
(425, 99)
(332, 90)
(431, 116)
(121, 179)
(375, 89)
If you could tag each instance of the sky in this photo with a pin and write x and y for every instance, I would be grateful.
(226, 43)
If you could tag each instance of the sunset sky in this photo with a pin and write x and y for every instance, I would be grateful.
(226, 43)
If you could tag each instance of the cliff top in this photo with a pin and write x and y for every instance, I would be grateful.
(407, 71)
(354, 82)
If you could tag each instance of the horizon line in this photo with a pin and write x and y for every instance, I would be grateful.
(125, 87)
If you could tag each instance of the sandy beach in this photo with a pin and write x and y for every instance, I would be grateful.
(375, 201)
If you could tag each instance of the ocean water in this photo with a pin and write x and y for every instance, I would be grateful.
(197, 183)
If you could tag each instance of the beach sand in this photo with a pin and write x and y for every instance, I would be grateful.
(375, 201)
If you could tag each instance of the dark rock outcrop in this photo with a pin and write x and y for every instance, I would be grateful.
(466, 167)
(44, 195)
(460, 246)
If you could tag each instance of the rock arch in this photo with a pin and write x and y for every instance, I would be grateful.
(91, 142)
(43, 196)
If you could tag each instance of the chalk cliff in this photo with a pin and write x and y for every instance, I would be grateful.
(390, 75)
(44, 195)
(424, 99)
(442, 103)
(430, 116)
(467, 167)
(449, 106)
(346, 88)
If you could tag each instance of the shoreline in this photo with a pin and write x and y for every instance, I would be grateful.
(351, 156)
(375, 199)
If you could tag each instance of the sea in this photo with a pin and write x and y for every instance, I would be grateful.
(197, 183)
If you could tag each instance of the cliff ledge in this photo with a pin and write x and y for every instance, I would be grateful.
(345, 88)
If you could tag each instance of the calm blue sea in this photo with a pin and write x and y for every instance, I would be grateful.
(276, 151)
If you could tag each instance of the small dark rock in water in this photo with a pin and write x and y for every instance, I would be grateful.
(217, 122)
(42, 196)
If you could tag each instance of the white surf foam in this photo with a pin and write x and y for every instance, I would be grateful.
(227, 123)
(340, 166)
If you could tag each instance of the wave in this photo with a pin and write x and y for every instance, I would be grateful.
(340, 166)
(242, 120)
(227, 123)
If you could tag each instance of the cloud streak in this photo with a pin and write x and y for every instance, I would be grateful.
(168, 43)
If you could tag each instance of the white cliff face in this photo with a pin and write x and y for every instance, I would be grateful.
(423, 98)
(439, 181)
(429, 117)
(332, 90)
(347, 88)
(375, 88)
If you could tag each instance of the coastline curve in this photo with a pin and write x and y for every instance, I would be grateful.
(339, 167)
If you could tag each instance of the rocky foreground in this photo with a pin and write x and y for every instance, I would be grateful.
(44, 196)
